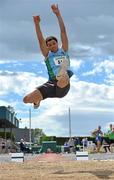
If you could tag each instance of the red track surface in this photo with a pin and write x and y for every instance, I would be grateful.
(50, 157)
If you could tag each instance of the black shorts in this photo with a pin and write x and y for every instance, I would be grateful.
(51, 90)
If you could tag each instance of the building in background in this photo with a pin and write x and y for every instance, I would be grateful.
(9, 123)
(8, 118)
(20, 133)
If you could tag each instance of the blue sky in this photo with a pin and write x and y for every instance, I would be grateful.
(90, 28)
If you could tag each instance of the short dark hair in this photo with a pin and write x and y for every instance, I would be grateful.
(51, 38)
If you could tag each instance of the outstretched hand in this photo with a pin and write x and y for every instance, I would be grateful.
(55, 9)
(36, 19)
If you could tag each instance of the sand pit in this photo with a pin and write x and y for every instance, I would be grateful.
(54, 167)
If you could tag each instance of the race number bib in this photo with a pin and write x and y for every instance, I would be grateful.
(59, 60)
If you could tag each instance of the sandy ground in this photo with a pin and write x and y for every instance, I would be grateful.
(55, 167)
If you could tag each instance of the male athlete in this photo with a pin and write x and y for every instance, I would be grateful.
(57, 63)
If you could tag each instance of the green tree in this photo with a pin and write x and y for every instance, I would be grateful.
(38, 133)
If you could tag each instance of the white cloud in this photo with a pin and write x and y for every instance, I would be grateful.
(101, 36)
(110, 79)
(5, 62)
(106, 66)
(90, 32)
(84, 49)
(75, 64)
(3, 103)
(87, 24)
(83, 98)
(19, 82)
(81, 92)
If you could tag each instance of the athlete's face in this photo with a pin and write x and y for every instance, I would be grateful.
(52, 45)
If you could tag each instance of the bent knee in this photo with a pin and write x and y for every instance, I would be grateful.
(25, 99)
(63, 82)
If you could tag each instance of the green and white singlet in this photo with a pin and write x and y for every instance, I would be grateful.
(54, 61)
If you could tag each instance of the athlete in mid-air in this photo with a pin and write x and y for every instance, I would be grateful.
(57, 63)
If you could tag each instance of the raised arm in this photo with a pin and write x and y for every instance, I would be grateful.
(40, 37)
(64, 37)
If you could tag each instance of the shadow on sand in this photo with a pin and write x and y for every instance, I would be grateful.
(101, 174)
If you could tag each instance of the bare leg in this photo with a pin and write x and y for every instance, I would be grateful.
(62, 77)
(98, 146)
(63, 68)
(111, 148)
(63, 80)
(33, 97)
